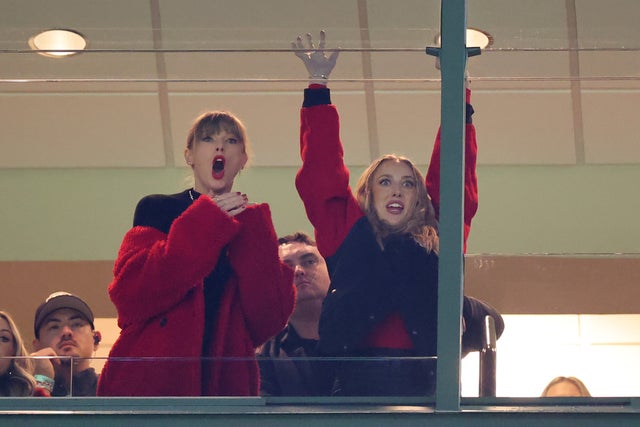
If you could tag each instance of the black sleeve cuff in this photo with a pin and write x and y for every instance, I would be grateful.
(469, 114)
(319, 96)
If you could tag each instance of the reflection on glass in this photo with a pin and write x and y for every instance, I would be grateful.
(558, 99)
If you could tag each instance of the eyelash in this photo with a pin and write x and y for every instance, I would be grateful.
(408, 184)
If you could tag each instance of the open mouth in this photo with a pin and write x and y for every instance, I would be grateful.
(395, 207)
(218, 167)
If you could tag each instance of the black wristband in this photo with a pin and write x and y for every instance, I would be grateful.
(319, 96)
(470, 112)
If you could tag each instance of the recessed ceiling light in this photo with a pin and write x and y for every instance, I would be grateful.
(58, 43)
(475, 38)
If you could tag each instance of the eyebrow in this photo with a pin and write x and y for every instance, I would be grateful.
(388, 175)
(57, 319)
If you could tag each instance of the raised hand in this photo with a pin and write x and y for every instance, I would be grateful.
(315, 59)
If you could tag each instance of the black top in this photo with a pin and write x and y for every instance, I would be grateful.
(289, 366)
(82, 384)
(369, 283)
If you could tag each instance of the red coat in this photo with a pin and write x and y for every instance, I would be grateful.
(159, 294)
(329, 202)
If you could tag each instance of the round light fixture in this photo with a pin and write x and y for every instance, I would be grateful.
(58, 43)
(475, 38)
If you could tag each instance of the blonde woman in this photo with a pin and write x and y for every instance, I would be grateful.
(565, 386)
(381, 247)
(16, 370)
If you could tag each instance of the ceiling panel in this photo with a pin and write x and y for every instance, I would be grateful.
(119, 25)
(521, 24)
(608, 24)
(615, 70)
(248, 24)
(544, 91)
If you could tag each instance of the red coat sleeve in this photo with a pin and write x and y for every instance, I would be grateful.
(154, 271)
(265, 284)
(470, 176)
(323, 179)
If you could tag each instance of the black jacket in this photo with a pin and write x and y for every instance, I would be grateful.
(368, 283)
(289, 366)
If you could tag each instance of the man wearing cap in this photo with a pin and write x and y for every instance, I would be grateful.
(63, 327)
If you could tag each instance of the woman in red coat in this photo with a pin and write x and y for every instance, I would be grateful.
(198, 284)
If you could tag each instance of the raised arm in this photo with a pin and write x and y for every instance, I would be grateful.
(323, 179)
(470, 176)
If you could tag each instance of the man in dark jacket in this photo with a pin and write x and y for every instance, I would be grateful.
(63, 327)
(288, 364)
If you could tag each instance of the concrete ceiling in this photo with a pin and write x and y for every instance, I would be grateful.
(559, 86)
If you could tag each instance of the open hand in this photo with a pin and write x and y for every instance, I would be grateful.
(315, 59)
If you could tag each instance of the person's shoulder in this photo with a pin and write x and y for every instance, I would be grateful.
(160, 210)
(163, 199)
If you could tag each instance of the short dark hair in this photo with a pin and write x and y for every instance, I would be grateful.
(299, 236)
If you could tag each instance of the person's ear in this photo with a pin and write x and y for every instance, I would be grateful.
(97, 337)
(36, 344)
(188, 157)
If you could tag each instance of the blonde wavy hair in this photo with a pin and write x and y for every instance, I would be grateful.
(421, 222)
(18, 380)
(583, 390)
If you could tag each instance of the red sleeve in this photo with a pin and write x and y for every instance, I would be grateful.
(323, 180)
(470, 176)
(265, 284)
(41, 392)
(154, 271)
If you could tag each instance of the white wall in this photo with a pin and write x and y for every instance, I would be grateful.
(602, 350)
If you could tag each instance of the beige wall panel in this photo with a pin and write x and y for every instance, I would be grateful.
(408, 122)
(273, 123)
(71, 130)
(611, 126)
(524, 128)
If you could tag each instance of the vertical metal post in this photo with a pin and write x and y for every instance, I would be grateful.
(453, 57)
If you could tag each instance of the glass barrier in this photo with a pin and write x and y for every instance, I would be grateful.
(555, 98)
(559, 321)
